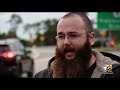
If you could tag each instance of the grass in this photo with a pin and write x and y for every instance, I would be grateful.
(115, 48)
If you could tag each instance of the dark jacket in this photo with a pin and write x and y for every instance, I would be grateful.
(103, 58)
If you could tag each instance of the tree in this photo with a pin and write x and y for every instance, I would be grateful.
(46, 28)
(51, 31)
(11, 34)
(34, 30)
(3, 35)
(27, 29)
(15, 21)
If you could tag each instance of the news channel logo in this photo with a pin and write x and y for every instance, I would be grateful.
(107, 69)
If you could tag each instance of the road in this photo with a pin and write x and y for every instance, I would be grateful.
(42, 55)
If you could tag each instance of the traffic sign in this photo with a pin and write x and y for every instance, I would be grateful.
(108, 21)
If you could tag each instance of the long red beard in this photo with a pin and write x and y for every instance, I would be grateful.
(71, 68)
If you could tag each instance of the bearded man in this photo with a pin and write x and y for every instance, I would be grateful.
(74, 57)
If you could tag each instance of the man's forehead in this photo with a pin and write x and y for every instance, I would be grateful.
(71, 22)
(72, 18)
(71, 28)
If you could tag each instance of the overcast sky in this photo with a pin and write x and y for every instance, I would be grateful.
(31, 17)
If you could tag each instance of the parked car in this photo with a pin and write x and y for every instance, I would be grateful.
(14, 59)
(105, 42)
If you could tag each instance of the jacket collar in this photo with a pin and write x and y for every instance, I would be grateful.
(101, 61)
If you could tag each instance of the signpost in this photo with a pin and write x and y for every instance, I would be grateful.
(109, 21)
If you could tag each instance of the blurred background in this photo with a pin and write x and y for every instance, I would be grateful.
(27, 40)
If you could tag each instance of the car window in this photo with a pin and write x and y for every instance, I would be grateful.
(15, 45)
(4, 48)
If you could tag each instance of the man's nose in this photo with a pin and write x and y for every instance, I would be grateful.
(67, 41)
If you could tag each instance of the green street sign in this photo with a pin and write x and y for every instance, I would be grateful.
(108, 21)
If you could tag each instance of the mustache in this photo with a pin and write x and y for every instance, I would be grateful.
(60, 53)
(68, 50)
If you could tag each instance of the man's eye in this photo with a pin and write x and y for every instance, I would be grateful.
(61, 37)
(73, 36)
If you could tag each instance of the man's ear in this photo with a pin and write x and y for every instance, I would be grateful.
(91, 38)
